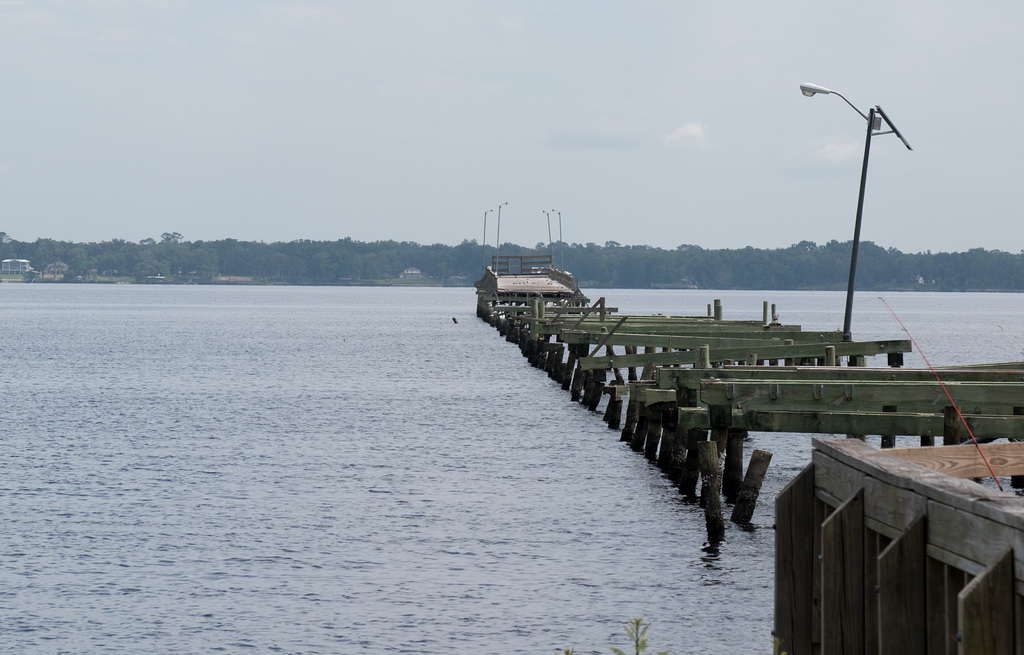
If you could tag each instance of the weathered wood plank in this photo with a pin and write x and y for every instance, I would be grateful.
(953, 492)
(688, 378)
(966, 461)
(830, 476)
(937, 627)
(795, 564)
(864, 396)
(889, 509)
(763, 351)
(843, 577)
(902, 623)
(985, 608)
(972, 537)
(838, 422)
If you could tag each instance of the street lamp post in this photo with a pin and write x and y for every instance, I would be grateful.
(874, 117)
(551, 253)
(484, 254)
(561, 249)
(497, 249)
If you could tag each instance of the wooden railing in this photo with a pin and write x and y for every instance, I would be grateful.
(521, 264)
(876, 554)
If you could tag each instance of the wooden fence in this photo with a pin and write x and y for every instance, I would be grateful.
(877, 554)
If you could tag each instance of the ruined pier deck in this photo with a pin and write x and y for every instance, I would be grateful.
(885, 550)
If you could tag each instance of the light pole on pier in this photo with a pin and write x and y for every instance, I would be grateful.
(561, 251)
(497, 249)
(874, 117)
(551, 253)
(484, 254)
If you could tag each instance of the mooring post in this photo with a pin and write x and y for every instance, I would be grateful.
(703, 357)
(830, 355)
(718, 309)
(732, 477)
(751, 488)
(711, 490)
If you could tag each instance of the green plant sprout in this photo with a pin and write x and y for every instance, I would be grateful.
(636, 630)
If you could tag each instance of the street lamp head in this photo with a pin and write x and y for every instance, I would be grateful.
(809, 89)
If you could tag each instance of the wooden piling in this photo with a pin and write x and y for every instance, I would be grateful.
(613, 411)
(631, 410)
(950, 427)
(888, 440)
(677, 454)
(691, 466)
(631, 371)
(732, 476)
(567, 370)
(640, 430)
(709, 471)
(597, 379)
(720, 418)
(578, 380)
(653, 432)
(751, 487)
(668, 437)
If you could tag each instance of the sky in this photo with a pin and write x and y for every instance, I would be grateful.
(654, 122)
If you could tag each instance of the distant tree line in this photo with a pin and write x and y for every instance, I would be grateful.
(805, 265)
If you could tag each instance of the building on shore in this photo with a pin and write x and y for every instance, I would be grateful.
(15, 267)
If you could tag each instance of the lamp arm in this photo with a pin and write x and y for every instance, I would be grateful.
(862, 114)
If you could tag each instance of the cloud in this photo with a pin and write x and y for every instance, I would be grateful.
(690, 134)
(837, 152)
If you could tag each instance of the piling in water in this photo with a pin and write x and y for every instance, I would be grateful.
(751, 487)
(732, 477)
(691, 467)
(653, 432)
(710, 491)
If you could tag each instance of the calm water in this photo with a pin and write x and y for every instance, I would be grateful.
(344, 470)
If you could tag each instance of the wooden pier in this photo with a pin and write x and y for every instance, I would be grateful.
(684, 391)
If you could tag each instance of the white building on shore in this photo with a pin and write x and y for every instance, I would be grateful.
(14, 267)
